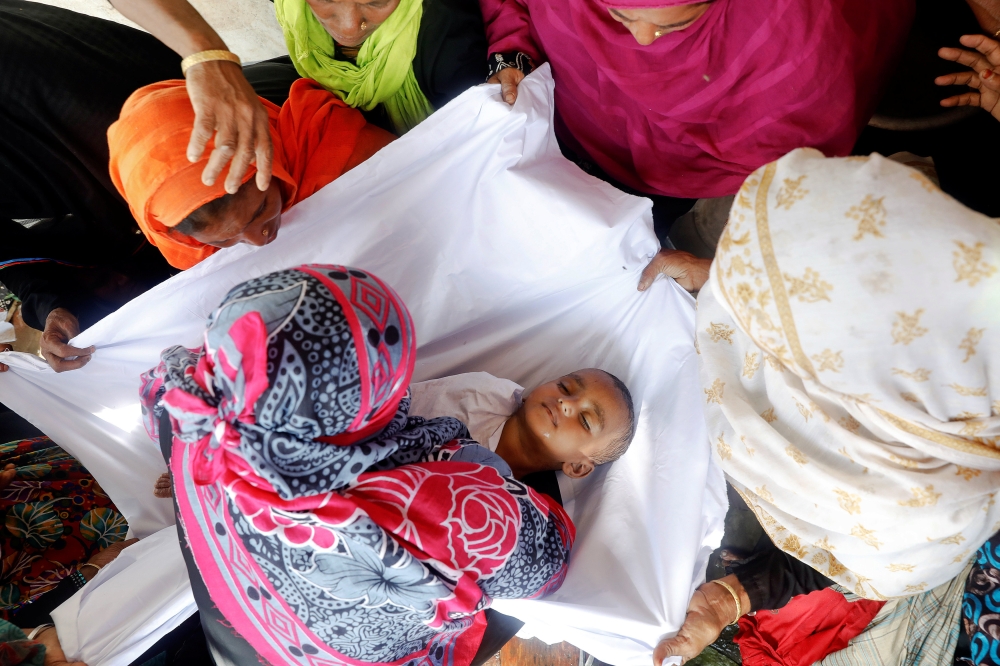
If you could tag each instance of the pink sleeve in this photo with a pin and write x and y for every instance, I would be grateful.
(508, 28)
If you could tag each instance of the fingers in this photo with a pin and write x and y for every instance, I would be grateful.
(959, 79)
(264, 153)
(60, 356)
(163, 488)
(965, 99)
(988, 47)
(3, 368)
(204, 128)
(970, 59)
(509, 92)
(651, 271)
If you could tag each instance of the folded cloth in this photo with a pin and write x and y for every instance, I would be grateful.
(809, 628)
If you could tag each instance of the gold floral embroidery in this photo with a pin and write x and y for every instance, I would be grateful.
(818, 558)
(966, 472)
(909, 397)
(768, 415)
(865, 535)
(848, 502)
(828, 360)
(903, 462)
(836, 568)
(722, 446)
(764, 494)
(968, 391)
(816, 408)
(995, 408)
(810, 288)
(907, 328)
(972, 428)
(966, 416)
(924, 181)
(961, 558)
(790, 192)
(750, 450)
(908, 568)
(953, 540)
(697, 349)
(793, 546)
(918, 375)
(870, 214)
(720, 332)
(843, 451)
(796, 455)
(774, 362)
(968, 344)
(921, 497)
(916, 588)
(969, 263)
(727, 241)
(751, 363)
(850, 424)
(714, 393)
(824, 543)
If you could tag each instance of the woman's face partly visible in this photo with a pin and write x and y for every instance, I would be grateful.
(648, 25)
(251, 217)
(343, 19)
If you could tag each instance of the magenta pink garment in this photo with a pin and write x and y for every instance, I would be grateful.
(694, 113)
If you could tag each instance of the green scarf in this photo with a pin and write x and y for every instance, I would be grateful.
(384, 70)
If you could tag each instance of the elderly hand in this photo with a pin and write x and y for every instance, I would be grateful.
(712, 607)
(983, 62)
(54, 655)
(5, 348)
(164, 487)
(61, 326)
(508, 79)
(226, 106)
(690, 272)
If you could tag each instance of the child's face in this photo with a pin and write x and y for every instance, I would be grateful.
(575, 417)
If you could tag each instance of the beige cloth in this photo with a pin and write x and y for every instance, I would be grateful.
(850, 356)
(478, 399)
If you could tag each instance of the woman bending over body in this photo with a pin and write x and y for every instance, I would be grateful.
(320, 521)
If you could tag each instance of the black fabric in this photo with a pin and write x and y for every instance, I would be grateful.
(40, 610)
(184, 646)
(14, 427)
(500, 629)
(771, 577)
(64, 78)
(450, 58)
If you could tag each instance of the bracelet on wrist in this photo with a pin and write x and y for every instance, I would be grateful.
(736, 598)
(39, 629)
(207, 56)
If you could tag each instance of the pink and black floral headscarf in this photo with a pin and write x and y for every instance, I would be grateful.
(326, 524)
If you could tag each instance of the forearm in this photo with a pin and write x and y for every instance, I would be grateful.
(987, 13)
(174, 22)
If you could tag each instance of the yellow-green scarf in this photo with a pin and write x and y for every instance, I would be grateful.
(384, 70)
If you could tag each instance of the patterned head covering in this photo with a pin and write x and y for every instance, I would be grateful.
(327, 525)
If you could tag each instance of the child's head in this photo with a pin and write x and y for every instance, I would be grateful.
(581, 420)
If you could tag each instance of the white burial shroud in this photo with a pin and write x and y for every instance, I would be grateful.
(513, 261)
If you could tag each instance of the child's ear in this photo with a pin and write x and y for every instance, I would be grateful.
(577, 470)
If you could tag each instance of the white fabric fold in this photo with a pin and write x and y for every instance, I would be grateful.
(512, 261)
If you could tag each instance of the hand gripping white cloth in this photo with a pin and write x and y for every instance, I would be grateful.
(513, 262)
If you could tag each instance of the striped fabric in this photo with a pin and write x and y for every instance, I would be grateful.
(921, 630)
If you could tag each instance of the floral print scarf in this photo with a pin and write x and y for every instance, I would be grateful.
(327, 525)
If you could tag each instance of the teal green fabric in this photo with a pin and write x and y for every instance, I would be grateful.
(16, 649)
(383, 73)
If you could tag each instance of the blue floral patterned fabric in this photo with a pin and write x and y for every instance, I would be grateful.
(981, 605)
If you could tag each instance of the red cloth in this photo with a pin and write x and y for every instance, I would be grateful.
(698, 110)
(808, 628)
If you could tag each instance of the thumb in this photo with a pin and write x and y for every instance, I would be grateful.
(509, 92)
(649, 273)
(663, 650)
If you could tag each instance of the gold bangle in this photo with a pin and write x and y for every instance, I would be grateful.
(88, 564)
(736, 598)
(205, 56)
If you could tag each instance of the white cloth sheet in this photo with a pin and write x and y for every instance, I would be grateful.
(512, 261)
(478, 399)
(107, 622)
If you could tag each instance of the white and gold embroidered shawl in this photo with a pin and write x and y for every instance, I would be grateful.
(850, 356)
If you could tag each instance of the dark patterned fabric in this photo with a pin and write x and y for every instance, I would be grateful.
(500, 61)
(55, 517)
(981, 605)
(327, 525)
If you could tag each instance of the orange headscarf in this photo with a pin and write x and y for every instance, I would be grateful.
(316, 139)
